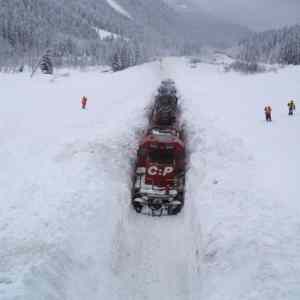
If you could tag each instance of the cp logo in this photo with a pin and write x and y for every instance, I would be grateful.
(152, 171)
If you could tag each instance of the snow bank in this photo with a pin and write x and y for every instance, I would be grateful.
(67, 227)
(55, 166)
(67, 230)
(244, 175)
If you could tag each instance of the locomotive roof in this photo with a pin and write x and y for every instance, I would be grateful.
(168, 81)
(164, 136)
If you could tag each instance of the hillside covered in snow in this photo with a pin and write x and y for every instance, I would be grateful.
(67, 229)
(70, 29)
(272, 46)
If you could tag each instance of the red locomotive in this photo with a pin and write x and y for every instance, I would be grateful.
(159, 178)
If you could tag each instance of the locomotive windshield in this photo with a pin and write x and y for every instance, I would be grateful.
(165, 156)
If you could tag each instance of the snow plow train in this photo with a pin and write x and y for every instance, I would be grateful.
(159, 177)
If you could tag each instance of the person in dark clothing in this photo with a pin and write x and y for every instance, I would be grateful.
(268, 113)
(292, 107)
(83, 102)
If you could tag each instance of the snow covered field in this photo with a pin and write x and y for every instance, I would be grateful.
(67, 230)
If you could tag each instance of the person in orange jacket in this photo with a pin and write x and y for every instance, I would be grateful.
(83, 102)
(268, 113)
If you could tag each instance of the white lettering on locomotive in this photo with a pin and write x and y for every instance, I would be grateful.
(153, 170)
(167, 171)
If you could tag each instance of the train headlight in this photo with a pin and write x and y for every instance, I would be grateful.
(173, 193)
(140, 171)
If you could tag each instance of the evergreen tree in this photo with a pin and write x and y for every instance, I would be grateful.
(71, 28)
(273, 46)
(45, 63)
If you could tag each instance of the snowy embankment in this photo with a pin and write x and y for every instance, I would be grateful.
(63, 172)
(244, 177)
(67, 230)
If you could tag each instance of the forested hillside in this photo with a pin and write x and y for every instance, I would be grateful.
(70, 29)
(29, 27)
(273, 46)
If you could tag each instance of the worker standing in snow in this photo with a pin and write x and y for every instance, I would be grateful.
(292, 107)
(83, 102)
(268, 113)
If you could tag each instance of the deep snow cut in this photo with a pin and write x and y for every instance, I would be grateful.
(67, 229)
(159, 174)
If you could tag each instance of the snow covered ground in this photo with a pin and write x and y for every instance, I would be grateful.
(244, 176)
(67, 230)
(103, 34)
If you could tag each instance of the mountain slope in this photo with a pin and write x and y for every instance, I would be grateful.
(271, 46)
(185, 20)
(211, 29)
(69, 27)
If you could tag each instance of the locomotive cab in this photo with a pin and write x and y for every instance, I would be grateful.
(159, 176)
